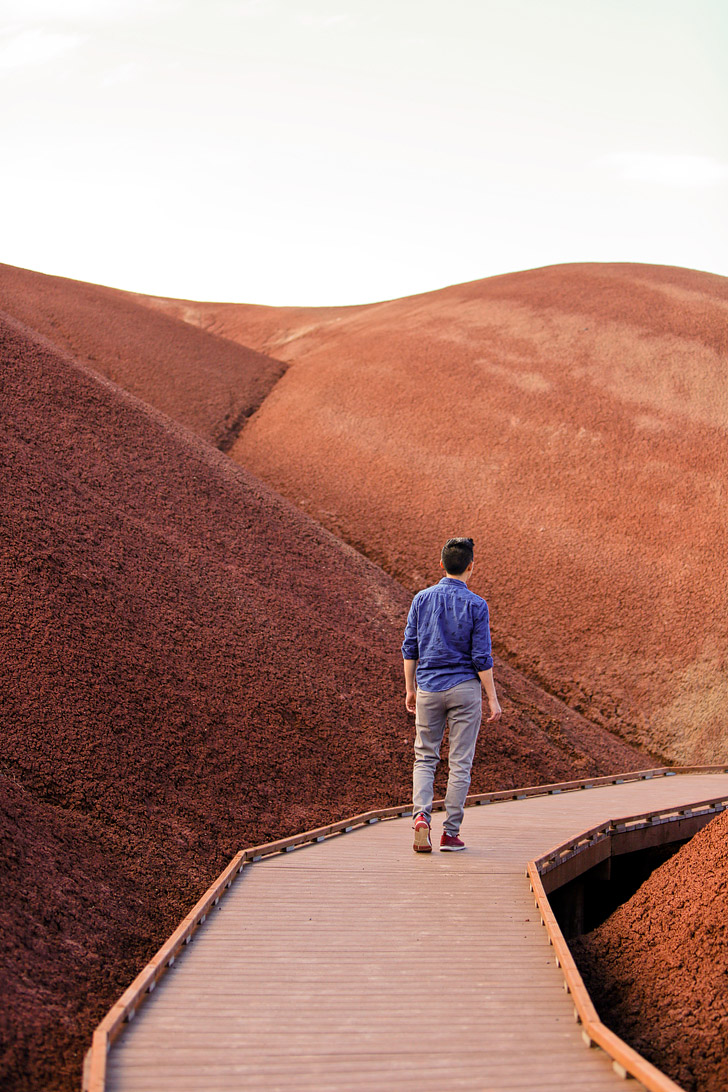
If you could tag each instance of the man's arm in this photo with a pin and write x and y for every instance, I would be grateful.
(488, 683)
(410, 700)
(483, 661)
(410, 655)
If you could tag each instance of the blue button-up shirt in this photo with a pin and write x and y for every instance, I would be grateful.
(448, 632)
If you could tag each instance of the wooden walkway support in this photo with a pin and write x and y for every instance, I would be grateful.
(355, 964)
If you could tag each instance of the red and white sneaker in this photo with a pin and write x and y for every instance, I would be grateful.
(422, 843)
(451, 842)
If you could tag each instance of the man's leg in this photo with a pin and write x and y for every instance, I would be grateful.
(430, 725)
(464, 713)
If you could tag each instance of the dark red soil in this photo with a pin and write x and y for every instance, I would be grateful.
(574, 420)
(657, 969)
(208, 383)
(81, 900)
(189, 665)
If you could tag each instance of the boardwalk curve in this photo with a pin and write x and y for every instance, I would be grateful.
(356, 964)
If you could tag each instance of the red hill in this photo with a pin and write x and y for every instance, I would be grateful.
(208, 383)
(573, 419)
(189, 664)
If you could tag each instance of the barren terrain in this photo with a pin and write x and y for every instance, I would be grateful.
(190, 665)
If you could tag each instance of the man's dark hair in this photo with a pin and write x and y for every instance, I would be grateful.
(457, 553)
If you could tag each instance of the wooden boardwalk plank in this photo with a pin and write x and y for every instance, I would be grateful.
(356, 964)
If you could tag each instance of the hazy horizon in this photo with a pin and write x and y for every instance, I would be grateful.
(259, 151)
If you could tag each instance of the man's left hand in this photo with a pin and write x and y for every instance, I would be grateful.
(495, 710)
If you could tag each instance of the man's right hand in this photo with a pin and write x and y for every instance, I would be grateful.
(411, 701)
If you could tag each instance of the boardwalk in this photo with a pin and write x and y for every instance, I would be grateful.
(357, 965)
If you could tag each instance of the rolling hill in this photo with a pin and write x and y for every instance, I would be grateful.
(574, 421)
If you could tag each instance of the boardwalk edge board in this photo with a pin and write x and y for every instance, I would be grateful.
(624, 1058)
(626, 1061)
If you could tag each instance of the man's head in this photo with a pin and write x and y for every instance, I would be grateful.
(457, 554)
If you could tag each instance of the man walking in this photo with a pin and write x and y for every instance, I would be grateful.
(447, 649)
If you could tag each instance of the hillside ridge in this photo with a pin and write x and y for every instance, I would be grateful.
(208, 382)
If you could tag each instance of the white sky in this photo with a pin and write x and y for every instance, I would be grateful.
(345, 151)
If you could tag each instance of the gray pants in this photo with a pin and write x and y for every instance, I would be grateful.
(461, 707)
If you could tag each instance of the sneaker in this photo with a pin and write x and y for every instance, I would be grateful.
(422, 843)
(451, 842)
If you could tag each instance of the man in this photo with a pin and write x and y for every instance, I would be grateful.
(446, 649)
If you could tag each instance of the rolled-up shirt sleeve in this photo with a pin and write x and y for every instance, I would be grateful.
(480, 646)
(410, 647)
